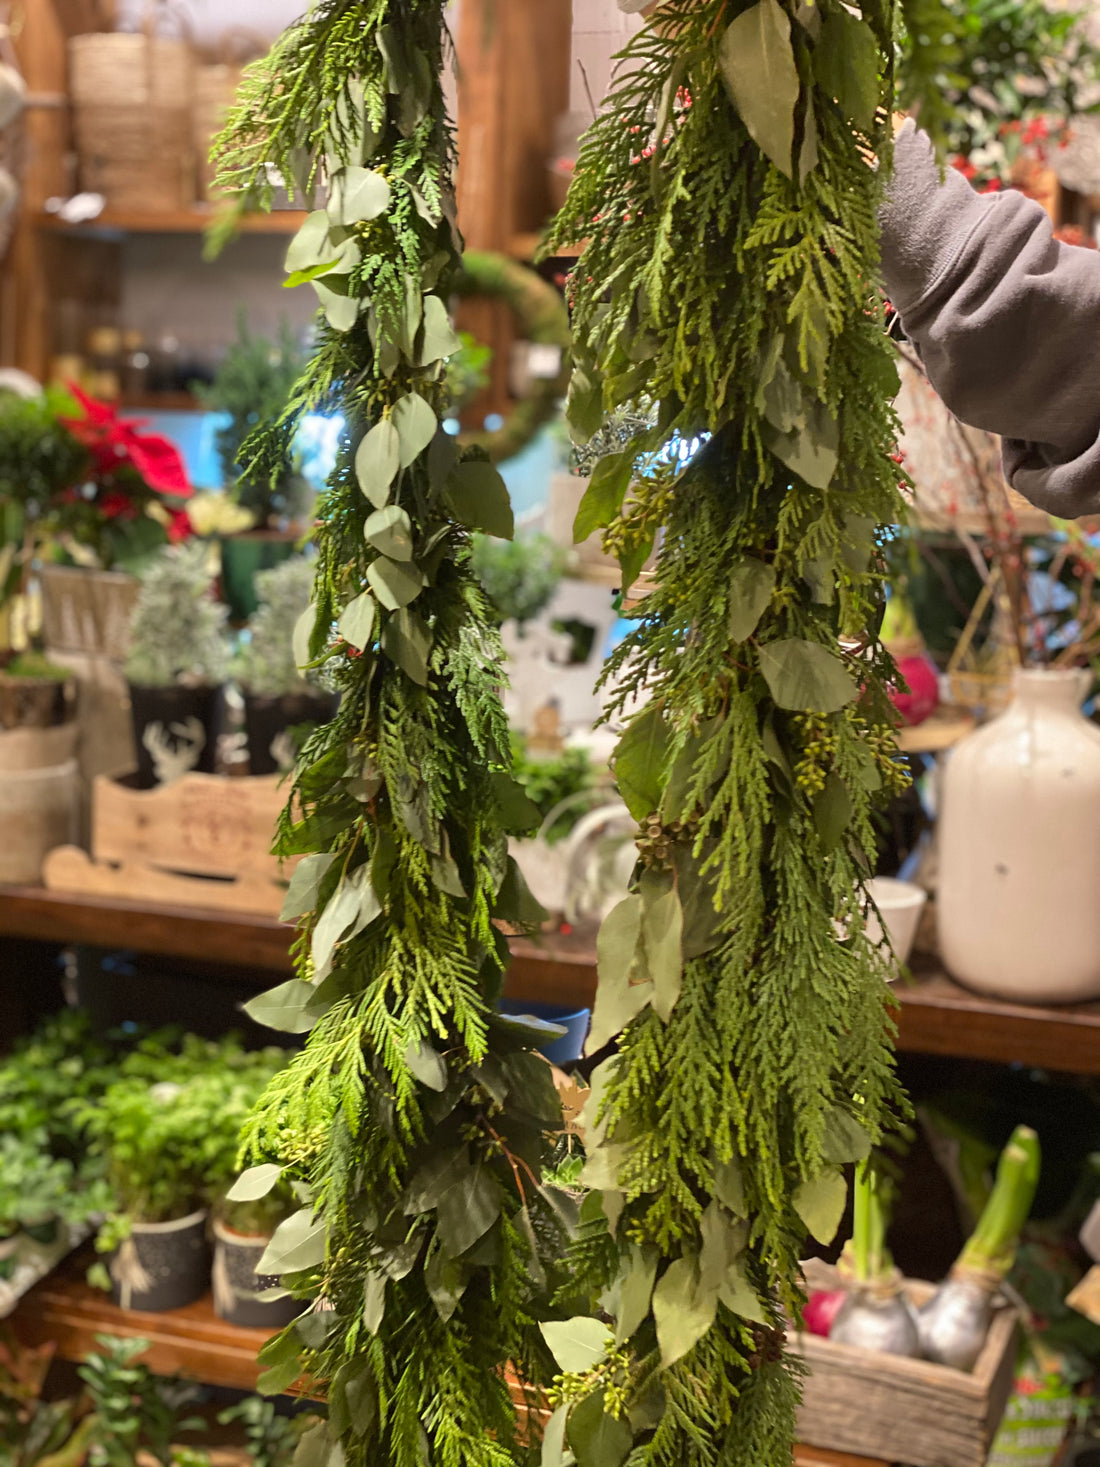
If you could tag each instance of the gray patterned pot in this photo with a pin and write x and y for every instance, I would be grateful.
(237, 1285)
(162, 1266)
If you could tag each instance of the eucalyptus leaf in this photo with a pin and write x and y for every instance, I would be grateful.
(341, 310)
(357, 623)
(285, 1008)
(374, 1301)
(806, 677)
(810, 153)
(256, 1182)
(603, 499)
(439, 340)
(597, 1438)
(515, 900)
(297, 1244)
(338, 915)
(518, 812)
(637, 1291)
(833, 810)
(390, 531)
(480, 499)
(427, 1066)
(553, 1440)
(315, 272)
(446, 1281)
(377, 461)
(395, 583)
(305, 884)
(316, 1326)
(359, 194)
(683, 1308)
(729, 1186)
(782, 398)
(435, 1176)
(662, 938)
(811, 452)
(739, 1296)
(578, 1344)
(468, 1210)
(442, 457)
(618, 939)
(758, 67)
(846, 65)
(845, 1139)
(302, 637)
(316, 1448)
(584, 407)
(407, 641)
(641, 761)
(416, 424)
(752, 584)
(820, 1203)
(311, 246)
(722, 1243)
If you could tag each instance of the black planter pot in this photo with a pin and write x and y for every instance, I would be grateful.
(267, 718)
(162, 1266)
(236, 1284)
(175, 732)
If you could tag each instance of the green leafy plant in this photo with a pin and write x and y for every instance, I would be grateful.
(134, 1410)
(177, 631)
(167, 1131)
(271, 1439)
(549, 782)
(977, 72)
(266, 663)
(37, 1188)
(253, 386)
(519, 576)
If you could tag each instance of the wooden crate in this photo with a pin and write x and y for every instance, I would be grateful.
(203, 840)
(905, 1410)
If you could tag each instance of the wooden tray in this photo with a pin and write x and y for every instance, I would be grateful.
(204, 840)
(904, 1410)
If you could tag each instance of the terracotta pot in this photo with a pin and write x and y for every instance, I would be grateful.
(162, 1266)
(1019, 835)
(237, 1284)
(267, 717)
(175, 732)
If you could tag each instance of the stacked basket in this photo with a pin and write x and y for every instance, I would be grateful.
(133, 96)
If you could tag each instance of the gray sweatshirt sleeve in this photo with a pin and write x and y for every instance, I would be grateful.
(1006, 320)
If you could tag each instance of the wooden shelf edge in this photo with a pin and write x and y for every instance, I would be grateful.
(114, 222)
(65, 1311)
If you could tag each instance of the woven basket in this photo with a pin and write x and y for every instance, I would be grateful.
(215, 89)
(132, 103)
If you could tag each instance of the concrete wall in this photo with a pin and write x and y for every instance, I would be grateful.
(599, 30)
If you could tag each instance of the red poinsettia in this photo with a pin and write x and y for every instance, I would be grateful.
(116, 443)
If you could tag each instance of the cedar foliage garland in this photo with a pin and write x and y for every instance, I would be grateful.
(413, 1125)
(728, 283)
(727, 290)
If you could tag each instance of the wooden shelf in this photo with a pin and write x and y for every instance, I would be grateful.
(114, 223)
(525, 247)
(936, 1016)
(160, 402)
(66, 1311)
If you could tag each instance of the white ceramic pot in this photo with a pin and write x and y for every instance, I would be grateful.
(1019, 857)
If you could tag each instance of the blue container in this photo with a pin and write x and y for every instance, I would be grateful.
(563, 1050)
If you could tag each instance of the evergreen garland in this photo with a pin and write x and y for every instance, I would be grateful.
(412, 1125)
(726, 294)
(729, 200)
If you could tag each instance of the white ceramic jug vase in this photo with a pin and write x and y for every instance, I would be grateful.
(1019, 836)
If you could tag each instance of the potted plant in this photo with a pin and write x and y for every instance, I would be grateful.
(175, 666)
(125, 504)
(253, 386)
(277, 697)
(242, 1231)
(38, 773)
(39, 1192)
(151, 1138)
